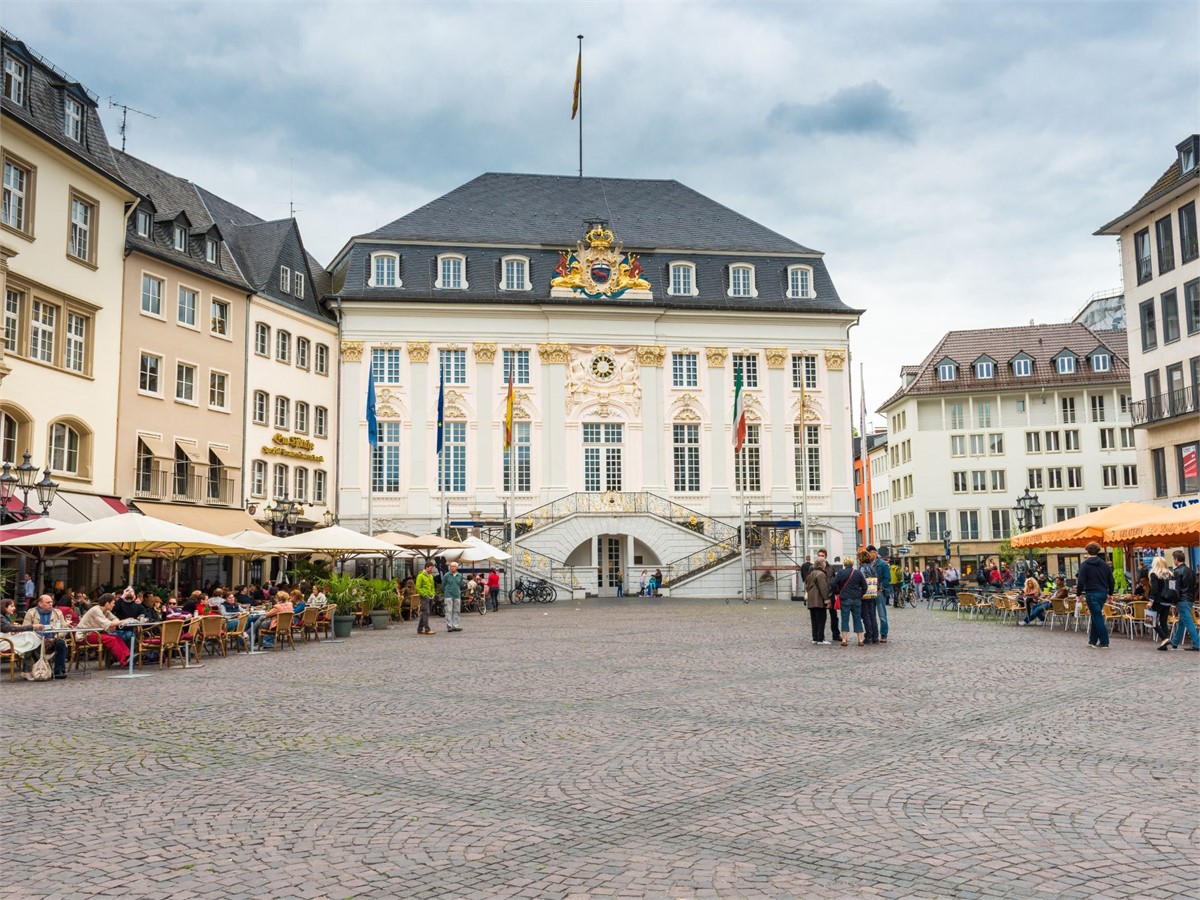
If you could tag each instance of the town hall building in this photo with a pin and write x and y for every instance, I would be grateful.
(620, 310)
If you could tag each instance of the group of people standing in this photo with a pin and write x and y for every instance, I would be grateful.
(856, 592)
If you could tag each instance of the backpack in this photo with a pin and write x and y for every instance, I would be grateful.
(872, 590)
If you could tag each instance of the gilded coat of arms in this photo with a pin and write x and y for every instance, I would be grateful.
(601, 269)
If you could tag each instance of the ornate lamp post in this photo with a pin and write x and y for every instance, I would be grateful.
(283, 514)
(26, 482)
(1028, 511)
(328, 518)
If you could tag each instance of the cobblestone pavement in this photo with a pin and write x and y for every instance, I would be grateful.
(617, 749)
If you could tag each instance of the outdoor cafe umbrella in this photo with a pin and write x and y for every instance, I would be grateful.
(335, 542)
(477, 551)
(134, 535)
(429, 544)
(43, 525)
(1166, 528)
(1080, 531)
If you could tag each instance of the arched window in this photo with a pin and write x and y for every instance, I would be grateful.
(451, 272)
(800, 279)
(514, 273)
(385, 270)
(741, 280)
(14, 434)
(683, 280)
(70, 448)
(280, 478)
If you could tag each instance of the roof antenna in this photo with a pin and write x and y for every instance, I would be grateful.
(126, 109)
(292, 192)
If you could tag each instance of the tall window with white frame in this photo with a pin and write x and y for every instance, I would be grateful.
(385, 460)
(16, 195)
(452, 479)
(686, 457)
(385, 365)
(75, 357)
(741, 279)
(516, 366)
(806, 441)
(186, 313)
(684, 370)
(262, 339)
(384, 270)
(451, 270)
(522, 459)
(800, 282)
(514, 275)
(682, 279)
(453, 366)
(152, 295)
(602, 457)
(64, 449)
(279, 479)
(82, 215)
(747, 463)
(804, 372)
(747, 364)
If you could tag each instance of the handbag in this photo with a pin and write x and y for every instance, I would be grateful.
(1170, 594)
(41, 669)
(837, 603)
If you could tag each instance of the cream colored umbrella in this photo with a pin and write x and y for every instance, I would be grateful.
(336, 542)
(134, 535)
(476, 551)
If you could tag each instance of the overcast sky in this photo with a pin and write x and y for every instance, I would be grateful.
(951, 159)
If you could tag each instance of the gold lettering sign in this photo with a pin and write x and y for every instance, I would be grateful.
(295, 447)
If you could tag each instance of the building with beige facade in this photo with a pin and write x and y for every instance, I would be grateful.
(1160, 263)
(992, 412)
(62, 239)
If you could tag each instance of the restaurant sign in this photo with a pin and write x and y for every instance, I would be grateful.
(295, 447)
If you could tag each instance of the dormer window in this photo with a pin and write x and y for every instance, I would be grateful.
(947, 371)
(298, 284)
(1189, 153)
(16, 75)
(741, 281)
(385, 270)
(452, 272)
(73, 119)
(142, 223)
(1022, 367)
(985, 368)
(683, 280)
(285, 279)
(515, 271)
(1101, 362)
(211, 249)
(1066, 365)
(180, 238)
(800, 282)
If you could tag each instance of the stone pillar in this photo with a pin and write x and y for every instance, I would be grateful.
(717, 447)
(422, 453)
(836, 433)
(488, 432)
(554, 358)
(355, 451)
(779, 481)
(653, 417)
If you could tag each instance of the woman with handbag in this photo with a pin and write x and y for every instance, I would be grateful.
(1160, 572)
(851, 598)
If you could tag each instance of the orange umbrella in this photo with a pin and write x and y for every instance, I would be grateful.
(1082, 530)
(1167, 528)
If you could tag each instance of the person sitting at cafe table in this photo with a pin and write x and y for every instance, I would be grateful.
(230, 604)
(298, 604)
(152, 608)
(283, 604)
(1037, 607)
(106, 629)
(43, 616)
(24, 639)
(128, 605)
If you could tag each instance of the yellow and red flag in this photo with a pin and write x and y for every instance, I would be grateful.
(578, 80)
(508, 413)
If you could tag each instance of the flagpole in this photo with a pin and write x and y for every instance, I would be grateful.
(510, 428)
(745, 534)
(579, 82)
(804, 473)
(862, 448)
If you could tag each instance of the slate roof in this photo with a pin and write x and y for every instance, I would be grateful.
(1171, 179)
(536, 216)
(645, 214)
(259, 246)
(173, 195)
(42, 112)
(1041, 342)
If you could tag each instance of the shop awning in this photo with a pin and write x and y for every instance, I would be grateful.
(212, 519)
(194, 453)
(156, 446)
(225, 457)
(77, 508)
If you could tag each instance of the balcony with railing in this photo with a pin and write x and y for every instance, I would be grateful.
(169, 486)
(1179, 402)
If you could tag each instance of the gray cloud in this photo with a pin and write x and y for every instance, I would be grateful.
(867, 108)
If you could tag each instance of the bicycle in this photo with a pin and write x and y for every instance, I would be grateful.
(539, 591)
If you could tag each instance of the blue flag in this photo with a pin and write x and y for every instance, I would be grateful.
(372, 421)
(441, 419)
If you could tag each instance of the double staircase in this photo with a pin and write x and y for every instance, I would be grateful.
(723, 540)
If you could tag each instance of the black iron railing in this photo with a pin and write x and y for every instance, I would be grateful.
(1179, 402)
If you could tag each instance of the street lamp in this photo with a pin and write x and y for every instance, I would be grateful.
(1028, 511)
(26, 482)
(283, 514)
(328, 518)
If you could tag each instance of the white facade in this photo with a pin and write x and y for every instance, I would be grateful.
(290, 409)
(672, 378)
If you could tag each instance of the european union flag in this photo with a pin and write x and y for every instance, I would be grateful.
(441, 418)
(372, 420)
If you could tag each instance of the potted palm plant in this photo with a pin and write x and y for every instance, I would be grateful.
(382, 594)
(344, 592)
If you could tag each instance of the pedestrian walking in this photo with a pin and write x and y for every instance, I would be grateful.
(884, 573)
(452, 588)
(1095, 582)
(1181, 589)
(870, 598)
(1160, 574)
(619, 577)
(645, 582)
(493, 586)
(425, 592)
(818, 598)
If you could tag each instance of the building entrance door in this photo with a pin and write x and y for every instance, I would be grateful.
(610, 556)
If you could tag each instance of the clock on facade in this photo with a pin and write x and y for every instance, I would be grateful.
(603, 367)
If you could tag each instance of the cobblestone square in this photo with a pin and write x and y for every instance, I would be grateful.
(659, 748)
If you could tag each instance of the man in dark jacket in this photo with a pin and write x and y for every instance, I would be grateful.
(1185, 589)
(128, 606)
(1095, 582)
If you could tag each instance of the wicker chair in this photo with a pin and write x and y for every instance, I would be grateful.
(9, 652)
(282, 633)
(308, 624)
(166, 643)
(212, 635)
(237, 636)
(325, 619)
(81, 650)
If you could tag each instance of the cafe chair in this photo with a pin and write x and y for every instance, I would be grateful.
(1060, 609)
(238, 637)
(212, 635)
(81, 650)
(1135, 616)
(283, 631)
(167, 642)
(325, 620)
(308, 624)
(8, 652)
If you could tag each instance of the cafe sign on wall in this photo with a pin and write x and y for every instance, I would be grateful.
(295, 447)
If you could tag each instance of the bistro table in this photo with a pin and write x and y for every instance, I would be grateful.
(72, 630)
